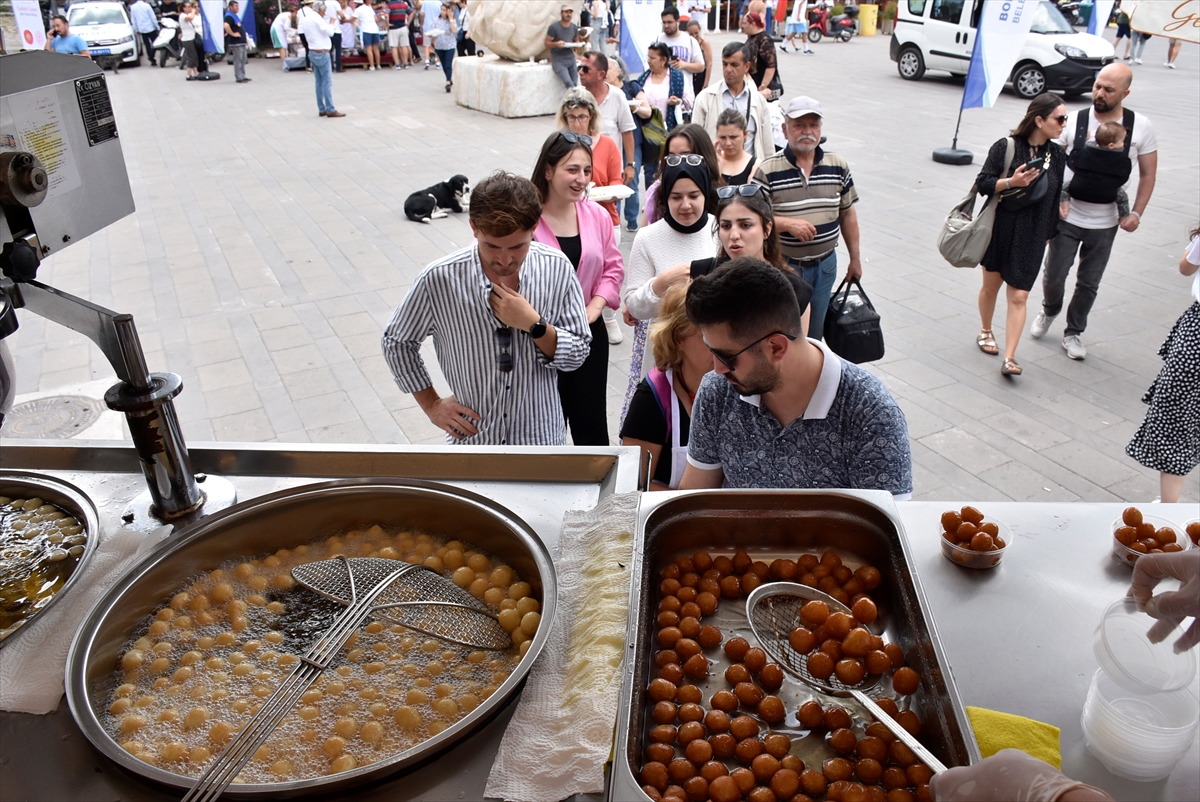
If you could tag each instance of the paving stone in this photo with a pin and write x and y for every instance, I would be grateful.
(964, 450)
(325, 410)
(1087, 461)
(242, 427)
(223, 375)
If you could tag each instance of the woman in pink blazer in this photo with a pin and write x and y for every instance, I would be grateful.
(583, 231)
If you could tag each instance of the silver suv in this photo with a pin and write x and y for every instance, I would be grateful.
(106, 28)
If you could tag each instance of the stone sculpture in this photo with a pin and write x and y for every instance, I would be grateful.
(515, 29)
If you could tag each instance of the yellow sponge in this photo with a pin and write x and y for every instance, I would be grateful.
(995, 731)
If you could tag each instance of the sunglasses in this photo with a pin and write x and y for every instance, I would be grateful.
(504, 362)
(1061, 119)
(745, 190)
(584, 69)
(674, 160)
(731, 361)
(576, 139)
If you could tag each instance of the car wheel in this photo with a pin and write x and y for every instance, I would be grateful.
(1029, 81)
(814, 36)
(910, 64)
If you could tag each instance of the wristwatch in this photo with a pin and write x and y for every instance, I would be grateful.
(538, 330)
(629, 164)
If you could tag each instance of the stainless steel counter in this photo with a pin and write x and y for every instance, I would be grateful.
(48, 759)
(1019, 637)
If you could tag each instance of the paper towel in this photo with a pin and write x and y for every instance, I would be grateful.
(561, 735)
(33, 664)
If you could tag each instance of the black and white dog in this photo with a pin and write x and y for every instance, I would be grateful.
(438, 200)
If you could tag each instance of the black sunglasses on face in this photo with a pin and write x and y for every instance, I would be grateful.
(745, 190)
(1061, 119)
(674, 160)
(731, 361)
(576, 139)
(504, 362)
(584, 69)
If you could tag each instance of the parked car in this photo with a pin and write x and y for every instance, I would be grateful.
(106, 28)
(940, 35)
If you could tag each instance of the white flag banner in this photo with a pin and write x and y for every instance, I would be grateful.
(641, 23)
(1003, 27)
(1101, 13)
(1174, 19)
(29, 24)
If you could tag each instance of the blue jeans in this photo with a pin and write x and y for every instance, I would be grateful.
(322, 67)
(631, 203)
(446, 57)
(820, 277)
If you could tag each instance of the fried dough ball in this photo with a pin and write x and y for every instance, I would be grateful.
(709, 637)
(716, 721)
(737, 673)
(771, 710)
(820, 665)
(743, 727)
(850, 670)
(661, 753)
(812, 782)
(748, 694)
(839, 625)
(802, 640)
(837, 718)
(690, 712)
(811, 714)
(736, 648)
(865, 611)
(905, 681)
(814, 613)
(725, 701)
(771, 676)
(698, 751)
(662, 690)
(724, 789)
(748, 749)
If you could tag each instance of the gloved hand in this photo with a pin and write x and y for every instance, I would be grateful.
(1171, 607)
(1010, 775)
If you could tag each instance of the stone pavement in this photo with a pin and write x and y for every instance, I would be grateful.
(269, 248)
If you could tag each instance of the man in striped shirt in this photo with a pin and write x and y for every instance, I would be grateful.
(813, 197)
(506, 314)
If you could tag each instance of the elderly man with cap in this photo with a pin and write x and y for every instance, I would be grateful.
(813, 196)
(318, 33)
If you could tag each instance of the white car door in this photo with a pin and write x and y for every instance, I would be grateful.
(944, 36)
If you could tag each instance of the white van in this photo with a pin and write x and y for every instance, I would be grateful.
(940, 35)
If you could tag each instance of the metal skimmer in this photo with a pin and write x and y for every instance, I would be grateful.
(774, 611)
(427, 602)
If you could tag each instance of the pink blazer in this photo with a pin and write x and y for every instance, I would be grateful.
(601, 268)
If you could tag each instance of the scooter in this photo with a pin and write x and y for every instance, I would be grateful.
(1070, 10)
(841, 27)
(169, 42)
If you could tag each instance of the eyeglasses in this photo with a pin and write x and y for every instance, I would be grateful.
(1061, 119)
(579, 118)
(584, 69)
(731, 361)
(504, 362)
(745, 190)
(674, 160)
(576, 139)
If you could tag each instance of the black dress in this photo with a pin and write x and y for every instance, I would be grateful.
(1019, 238)
(743, 177)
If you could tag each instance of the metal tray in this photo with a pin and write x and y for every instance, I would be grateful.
(72, 500)
(287, 519)
(862, 526)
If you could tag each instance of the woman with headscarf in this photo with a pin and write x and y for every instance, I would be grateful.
(663, 251)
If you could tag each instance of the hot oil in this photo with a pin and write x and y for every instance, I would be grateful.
(40, 546)
(249, 622)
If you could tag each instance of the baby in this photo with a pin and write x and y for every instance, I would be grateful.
(1100, 170)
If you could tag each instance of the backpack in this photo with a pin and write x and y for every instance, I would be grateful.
(1081, 130)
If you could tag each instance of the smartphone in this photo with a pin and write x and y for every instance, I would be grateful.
(1035, 164)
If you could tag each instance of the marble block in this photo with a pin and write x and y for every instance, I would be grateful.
(515, 29)
(507, 88)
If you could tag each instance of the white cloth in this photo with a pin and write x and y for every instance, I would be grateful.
(698, 11)
(316, 30)
(615, 117)
(1193, 257)
(658, 94)
(332, 15)
(190, 29)
(1104, 215)
(656, 248)
(33, 665)
(560, 737)
(683, 47)
(799, 12)
(366, 19)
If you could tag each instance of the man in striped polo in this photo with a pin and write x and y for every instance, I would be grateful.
(505, 314)
(813, 197)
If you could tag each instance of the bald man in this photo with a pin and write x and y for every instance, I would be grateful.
(1090, 228)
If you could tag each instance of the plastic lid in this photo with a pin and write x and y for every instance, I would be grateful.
(1131, 660)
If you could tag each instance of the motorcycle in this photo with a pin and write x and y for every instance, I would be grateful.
(841, 27)
(168, 43)
(1070, 10)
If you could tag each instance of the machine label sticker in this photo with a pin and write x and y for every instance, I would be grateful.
(42, 130)
(96, 107)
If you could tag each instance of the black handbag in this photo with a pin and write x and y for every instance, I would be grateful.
(852, 329)
(1018, 198)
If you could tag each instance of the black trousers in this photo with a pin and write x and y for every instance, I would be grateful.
(466, 47)
(304, 41)
(148, 44)
(584, 392)
(337, 51)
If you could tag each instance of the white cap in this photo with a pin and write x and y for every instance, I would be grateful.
(802, 105)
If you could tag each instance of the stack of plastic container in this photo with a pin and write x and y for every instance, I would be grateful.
(1139, 718)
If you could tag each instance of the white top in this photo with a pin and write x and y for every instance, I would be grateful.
(799, 11)
(615, 117)
(366, 19)
(1193, 257)
(657, 248)
(188, 29)
(316, 30)
(1104, 215)
(683, 47)
(658, 94)
(332, 7)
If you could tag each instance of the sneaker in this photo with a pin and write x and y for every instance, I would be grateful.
(1137, 61)
(1041, 324)
(1074, 346)
(1170, 65)
(614, 330)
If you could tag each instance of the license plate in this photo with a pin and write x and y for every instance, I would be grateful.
(100, 51)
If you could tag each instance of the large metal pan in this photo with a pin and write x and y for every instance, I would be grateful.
(72, 500)
(283, 520)
(770, 524)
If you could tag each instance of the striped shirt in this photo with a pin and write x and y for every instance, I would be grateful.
(820, 199)
(449, 302)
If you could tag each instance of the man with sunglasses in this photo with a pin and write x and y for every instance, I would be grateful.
(779, 410)
(506, 314)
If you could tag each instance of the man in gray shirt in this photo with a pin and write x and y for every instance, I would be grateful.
(559, 39)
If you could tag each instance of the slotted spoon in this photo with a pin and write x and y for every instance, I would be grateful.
(367, 586)
(773, 610)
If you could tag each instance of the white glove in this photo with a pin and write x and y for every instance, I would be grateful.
(1010, 775)
(1171, 607)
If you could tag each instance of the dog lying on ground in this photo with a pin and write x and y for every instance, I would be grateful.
(438, 201)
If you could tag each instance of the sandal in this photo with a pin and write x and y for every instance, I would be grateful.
(987, 342)
(1010, 368)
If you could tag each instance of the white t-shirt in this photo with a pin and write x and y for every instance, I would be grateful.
(658, 94)
(683, 47)
(332, 7)
(188, 29)
(615, 117)
(366, 19)
(799, 12)
(1193, 257)
(1104, 215)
